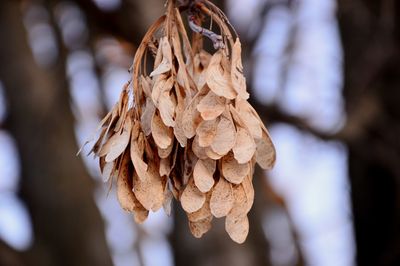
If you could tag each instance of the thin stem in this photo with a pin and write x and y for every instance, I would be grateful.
(215, 38)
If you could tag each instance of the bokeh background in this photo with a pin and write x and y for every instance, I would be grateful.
(323, 74)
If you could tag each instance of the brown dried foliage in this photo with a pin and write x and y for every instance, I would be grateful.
(186, 130)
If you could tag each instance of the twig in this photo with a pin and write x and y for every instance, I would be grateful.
(215, 38)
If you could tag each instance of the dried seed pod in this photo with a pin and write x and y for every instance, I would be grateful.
(218, 79)
(125, 194)
(238, 80)
(225, 136)
(211, 106)
(203, 174)
(245, 146)
(186, 130)
(237, 227)
(162, 135)
(201, 227)
(206, 132)
(119, 142)
(192, 198)
(233, 171)
(265, 152)
(203, 213)
(150, 191)
(222, 198)
(107, 171)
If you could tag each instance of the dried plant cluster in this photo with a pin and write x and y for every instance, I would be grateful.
(183, 127)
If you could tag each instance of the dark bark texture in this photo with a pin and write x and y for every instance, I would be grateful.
(370, 34)
(54, 184)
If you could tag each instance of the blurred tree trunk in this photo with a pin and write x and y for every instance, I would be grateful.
(9, 257)
(371, 39)
(54, 184)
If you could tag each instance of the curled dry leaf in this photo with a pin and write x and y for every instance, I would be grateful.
(192, 198)
(233, 171)
(203, 174)
(222, 198)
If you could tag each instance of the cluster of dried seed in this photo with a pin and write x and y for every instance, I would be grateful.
(186, 130)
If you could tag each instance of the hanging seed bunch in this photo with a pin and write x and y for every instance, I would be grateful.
(183, 127)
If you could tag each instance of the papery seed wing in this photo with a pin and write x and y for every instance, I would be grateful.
(211, 106)
(206, 131)
(119, 142)
(238, 80)
(245, 146)
(150, 192)
(265, 154)
(136, 153)
(203, 174)
(225, 138)
(167, 109)
(198, 229)
(237, 227)
(232, 170)
(218, 80)
(147, 116)
(253, 123)
(222, 198)
(162, 135)
(191, 117)
(203, 213)
(192, 199)
(125, 195)
(200, 152)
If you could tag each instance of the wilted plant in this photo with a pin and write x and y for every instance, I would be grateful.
(183, 128)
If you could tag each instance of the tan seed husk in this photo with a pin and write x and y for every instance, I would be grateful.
(186, 130)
